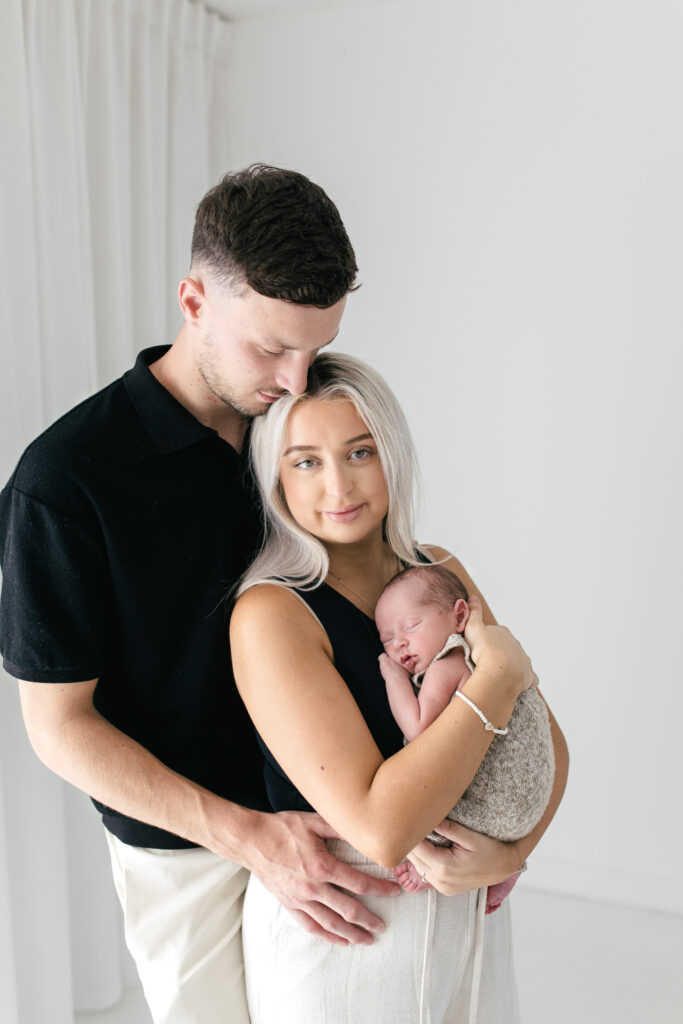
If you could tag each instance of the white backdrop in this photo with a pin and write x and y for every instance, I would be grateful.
(509, 175)
(510, 178)
(113, 118)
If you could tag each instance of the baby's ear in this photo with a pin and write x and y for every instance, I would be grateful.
(461, 614)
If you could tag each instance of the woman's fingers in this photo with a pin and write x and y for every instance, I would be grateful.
(496, 647)
(472, 861)
(455, 832)
(438, 866)
(474, 627)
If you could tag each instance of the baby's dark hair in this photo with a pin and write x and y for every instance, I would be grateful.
(442, 586)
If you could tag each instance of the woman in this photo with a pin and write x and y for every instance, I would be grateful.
(335, 471)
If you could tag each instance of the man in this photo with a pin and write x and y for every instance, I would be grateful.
(121, 531)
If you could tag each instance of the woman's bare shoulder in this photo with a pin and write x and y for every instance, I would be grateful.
(449, 561)
(443, 557)
(265, 596)
(269, 606)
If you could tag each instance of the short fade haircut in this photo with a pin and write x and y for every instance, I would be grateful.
(441, 586)
(278, 233)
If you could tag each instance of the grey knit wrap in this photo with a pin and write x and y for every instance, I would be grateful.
(511, 789)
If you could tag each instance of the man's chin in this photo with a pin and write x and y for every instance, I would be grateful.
(263, 405)
(252, 410)
(256, 407)
(261, 410)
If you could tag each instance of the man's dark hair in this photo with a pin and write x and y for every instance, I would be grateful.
(441, 586)
(278, 233)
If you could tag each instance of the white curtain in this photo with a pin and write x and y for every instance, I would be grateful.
(113, 126)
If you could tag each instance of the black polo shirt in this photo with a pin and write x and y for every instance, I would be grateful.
(121, 530)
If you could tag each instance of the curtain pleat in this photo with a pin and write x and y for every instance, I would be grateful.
(109, 139)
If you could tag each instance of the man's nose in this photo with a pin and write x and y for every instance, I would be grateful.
(292, 374)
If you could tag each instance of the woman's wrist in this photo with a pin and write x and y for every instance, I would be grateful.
(494, 693)
(509, 667)
(516, 860)
(506, 681)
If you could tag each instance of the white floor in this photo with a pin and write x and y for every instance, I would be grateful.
(577, 963)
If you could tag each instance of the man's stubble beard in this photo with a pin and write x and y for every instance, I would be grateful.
(207, 371)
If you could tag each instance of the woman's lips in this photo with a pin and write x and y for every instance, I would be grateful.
(345, 515)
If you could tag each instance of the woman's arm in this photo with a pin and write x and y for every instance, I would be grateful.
(311, 723)
(475, 859)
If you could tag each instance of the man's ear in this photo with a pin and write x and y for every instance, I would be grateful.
(191, 297)
(461, 614)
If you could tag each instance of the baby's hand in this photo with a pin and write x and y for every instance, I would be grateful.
(391, 672)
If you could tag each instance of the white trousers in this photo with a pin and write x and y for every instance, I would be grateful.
(182, 912)
(440, 961)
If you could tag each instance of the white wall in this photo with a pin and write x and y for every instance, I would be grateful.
(510, 177)
(111, 131)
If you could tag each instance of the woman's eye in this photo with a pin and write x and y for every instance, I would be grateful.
(304, 464)
(360, 453)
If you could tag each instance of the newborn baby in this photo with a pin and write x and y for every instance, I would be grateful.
(421, 616)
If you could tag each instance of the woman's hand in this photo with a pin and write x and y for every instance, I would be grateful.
(495, 648)
(473, 861)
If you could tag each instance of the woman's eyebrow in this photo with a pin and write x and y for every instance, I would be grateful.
(300, 448)
(314, 447)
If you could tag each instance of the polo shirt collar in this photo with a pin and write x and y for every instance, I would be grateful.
(169, 424)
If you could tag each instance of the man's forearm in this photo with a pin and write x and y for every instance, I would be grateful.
(93, 755)
(287, 851)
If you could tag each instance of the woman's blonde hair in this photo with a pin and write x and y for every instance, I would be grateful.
(289, 554)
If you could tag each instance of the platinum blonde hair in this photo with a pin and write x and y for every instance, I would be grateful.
(291, 555)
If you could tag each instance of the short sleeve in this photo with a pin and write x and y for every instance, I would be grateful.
(53, 619)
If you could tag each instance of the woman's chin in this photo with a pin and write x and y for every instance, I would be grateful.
(357, 532)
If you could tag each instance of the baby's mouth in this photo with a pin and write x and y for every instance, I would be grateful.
(409, 661)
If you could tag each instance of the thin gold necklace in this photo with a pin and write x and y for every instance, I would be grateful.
(354, 591)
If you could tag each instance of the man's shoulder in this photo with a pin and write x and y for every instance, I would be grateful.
(89, 430)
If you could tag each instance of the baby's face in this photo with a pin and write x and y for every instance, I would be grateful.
(412, 630)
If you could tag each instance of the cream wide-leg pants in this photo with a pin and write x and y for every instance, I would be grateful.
(183, 911)
(440, 961)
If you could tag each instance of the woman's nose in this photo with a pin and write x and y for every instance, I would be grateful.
(337, 481)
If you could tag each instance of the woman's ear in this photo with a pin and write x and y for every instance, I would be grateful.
(461, 614)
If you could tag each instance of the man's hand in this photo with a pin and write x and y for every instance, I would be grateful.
(473, 861)
(291, 859)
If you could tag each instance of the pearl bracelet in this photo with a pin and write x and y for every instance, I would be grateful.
(489, 726)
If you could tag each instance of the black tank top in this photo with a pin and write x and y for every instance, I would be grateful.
(355, 649)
